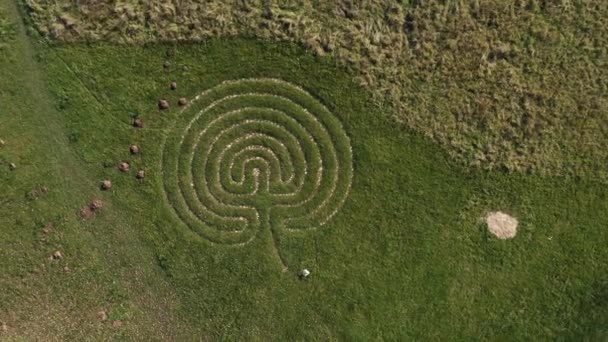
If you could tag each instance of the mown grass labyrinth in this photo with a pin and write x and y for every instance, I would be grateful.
(255, 154)
(407, 245)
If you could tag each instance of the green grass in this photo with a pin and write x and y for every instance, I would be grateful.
(406, 256)
(39, 300)
(504, 85)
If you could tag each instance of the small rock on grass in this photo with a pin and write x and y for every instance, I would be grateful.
(173, 85)
(96, 204)
(117, 324)
(2, 141)
(106, 184)
(141, 174)
(57, 255)
(3, 327)
(124, 166)
(166, 65)
(103, 316)
(12, 166)
(163, 104)
(134, 149)
(48, 228)
(182, 101)
(138, 123)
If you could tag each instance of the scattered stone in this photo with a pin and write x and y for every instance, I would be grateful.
(12, 166)
(182, 101)
(96, 204)
(166, 65)
(3, 327)
(103, 316)
(47, 229)
(117, 324)
(141, 174)
(163, 104)
(37, 193)
(2, 141)
(57, 255)
(304, 273)
(502, 225)
(138, 123)
(134, 149)
(173, 87)
(33, 195)
(106, 184)
(124, 166)
(66, 269)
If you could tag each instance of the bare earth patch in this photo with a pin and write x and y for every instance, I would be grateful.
(502, 225)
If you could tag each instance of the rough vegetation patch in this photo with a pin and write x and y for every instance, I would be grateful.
(515, 85)
(7, 30)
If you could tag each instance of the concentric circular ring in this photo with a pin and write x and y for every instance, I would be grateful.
(252, 154)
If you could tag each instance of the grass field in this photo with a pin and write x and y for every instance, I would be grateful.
(495, 83)
(398, 250)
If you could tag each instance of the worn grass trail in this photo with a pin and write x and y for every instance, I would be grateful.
(56, 300)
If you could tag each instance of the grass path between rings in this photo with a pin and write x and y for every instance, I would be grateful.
(405, 258)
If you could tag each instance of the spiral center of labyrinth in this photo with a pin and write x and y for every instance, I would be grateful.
(255, 154)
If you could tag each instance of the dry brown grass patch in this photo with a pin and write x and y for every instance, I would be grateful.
(502, 225)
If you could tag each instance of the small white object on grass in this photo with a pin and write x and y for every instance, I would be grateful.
(304, 273)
